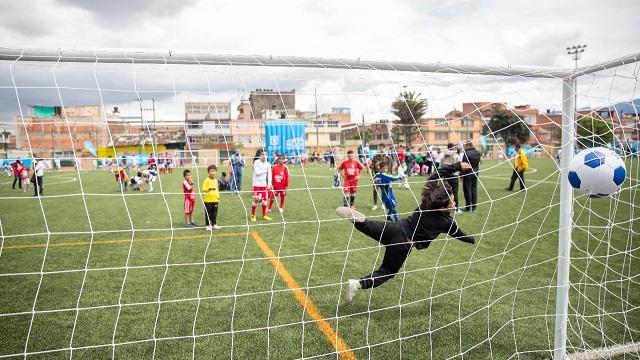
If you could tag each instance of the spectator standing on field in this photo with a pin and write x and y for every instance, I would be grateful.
(237, 163)
(38, 184)
(470, 177)
(17, 168)
(520, 165)
(449, 157)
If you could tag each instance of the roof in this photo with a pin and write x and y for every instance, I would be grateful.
(161, 138)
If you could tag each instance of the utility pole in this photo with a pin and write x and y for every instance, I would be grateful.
(153, 107)
(315, 96)
(5, 137)
(141, 127)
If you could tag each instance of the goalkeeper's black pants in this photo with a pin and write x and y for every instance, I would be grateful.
(397, 248)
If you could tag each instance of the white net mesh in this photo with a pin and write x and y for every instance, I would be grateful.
(89, 269)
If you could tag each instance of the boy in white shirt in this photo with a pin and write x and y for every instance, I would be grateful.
(261, 184)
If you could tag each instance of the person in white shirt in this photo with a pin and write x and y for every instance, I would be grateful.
(450, 156)
(38, 184)
(261, 184)
(149, 176)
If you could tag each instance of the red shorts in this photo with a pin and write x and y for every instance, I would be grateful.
(260, 193)
(189, 205)
(350, 186)
(273, 193)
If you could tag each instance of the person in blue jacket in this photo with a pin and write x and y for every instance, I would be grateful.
(384, 180)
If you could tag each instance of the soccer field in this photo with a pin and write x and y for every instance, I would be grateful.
(94, 272)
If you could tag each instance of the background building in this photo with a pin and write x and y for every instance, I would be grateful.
(208, 124)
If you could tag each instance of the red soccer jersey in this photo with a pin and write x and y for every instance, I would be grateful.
(401, 155)
(187, 189)
(279, 177)
(351, 169)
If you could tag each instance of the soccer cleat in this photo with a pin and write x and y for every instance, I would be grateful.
(253, 218)
(266, 217)
(351, 215)
(352, 289)
(375, 207)
(281, 210)
(209, 228)
(458, 211)
(217, 227)
(194, 224)
(189, 225)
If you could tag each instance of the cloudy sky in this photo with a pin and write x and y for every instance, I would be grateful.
(489, 32)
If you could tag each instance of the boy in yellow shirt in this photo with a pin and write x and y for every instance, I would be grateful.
(211, 198)
(521, 164)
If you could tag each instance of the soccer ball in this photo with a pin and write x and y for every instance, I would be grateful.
(598, 172)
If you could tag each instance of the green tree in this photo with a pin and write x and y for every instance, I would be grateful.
(409, 108)
(508, 126)
(366, 135)
(593, 132)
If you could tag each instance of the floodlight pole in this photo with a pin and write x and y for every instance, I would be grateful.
(566, 212)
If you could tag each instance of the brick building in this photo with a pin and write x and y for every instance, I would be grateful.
(268, 99)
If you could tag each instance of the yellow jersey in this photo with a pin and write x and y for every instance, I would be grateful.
(210, 190)
(521, 163)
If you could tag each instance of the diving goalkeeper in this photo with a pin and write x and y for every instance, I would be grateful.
(427, 221)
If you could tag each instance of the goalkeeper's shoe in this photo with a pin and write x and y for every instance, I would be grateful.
(253, 218)
(267, 217)
(353, 286)
(350, 214)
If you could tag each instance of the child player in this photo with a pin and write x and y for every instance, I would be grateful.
(383, 181)
(261, 184)
(24, 176)
(211, 198)
(431, 218)
(280, 182)
(189, 198)
(351, 169)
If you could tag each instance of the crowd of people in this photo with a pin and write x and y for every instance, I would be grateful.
(397, 164)
(25, 176)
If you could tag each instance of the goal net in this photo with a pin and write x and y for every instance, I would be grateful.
(99, 260)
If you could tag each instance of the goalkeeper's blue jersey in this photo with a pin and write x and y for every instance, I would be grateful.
(386, 192)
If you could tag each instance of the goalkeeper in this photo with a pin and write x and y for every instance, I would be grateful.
(428, 220)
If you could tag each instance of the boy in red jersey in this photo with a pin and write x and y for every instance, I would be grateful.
(350, 170)
(189, 198)
(280, 182)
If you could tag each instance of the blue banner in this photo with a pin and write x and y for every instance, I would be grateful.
(284, 137)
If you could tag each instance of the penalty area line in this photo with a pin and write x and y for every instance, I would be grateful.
(309, 306)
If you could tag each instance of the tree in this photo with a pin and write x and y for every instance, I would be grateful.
(508, 126)
(365, 136)
(593, 132)
(409, 108)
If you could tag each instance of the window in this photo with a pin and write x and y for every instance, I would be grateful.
(243, 139)
(332, 124)
(441, 122)
(467, 122)
(466, 136)
(442, 136)
(194, 125)
(334, 137)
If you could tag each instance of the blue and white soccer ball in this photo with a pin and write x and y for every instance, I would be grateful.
(598, 172)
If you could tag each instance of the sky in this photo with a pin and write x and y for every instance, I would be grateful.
(481, 32)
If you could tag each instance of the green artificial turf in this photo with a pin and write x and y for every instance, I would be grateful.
(122, 275)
